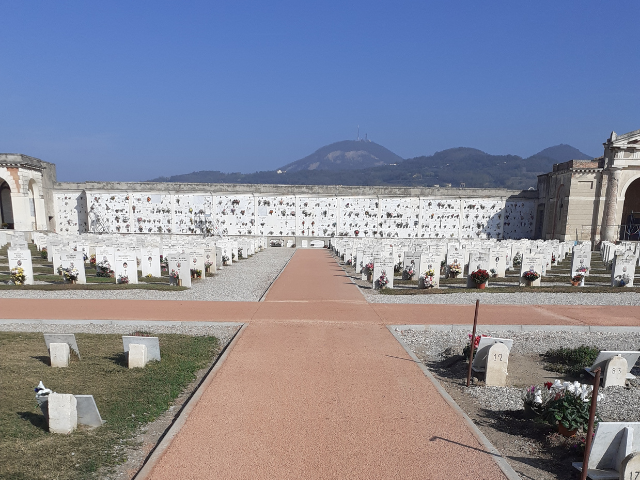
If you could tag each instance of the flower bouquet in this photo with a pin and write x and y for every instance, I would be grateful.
(174, 277)
(103, 269)
(517, 260)
(455, 269)
(577, 279)
(383, 281)
(233, 256)
(531, 276)
(123, 279)
(408, 273)
(195, 273)
(92, 260)
(348, 262)
(536, 398)
(43, 253)
(240, 254)
(480, 277)
(583, 270)
(494, 273)
(225, 259)
(207, 266)
(623, 280)
(17, 276)
(369, 267)
(70, 274)
(164, 263)
(427, 279)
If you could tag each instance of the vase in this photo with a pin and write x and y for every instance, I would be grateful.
(179, 282)
(575, 284)
(565, 432)
(369, 277)
(481, 286)
(453, 275)
(73, 282)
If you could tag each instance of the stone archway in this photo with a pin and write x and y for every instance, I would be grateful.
(630, 219)
(34, 193)
(6, 206)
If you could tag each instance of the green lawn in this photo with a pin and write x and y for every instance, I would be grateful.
(126, 400)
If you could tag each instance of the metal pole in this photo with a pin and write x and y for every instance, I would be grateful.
(473, 342)
(592, 417)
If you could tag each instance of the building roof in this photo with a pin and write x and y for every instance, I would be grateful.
(20, 160)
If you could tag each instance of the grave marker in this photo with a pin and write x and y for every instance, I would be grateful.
(152, 344)
(496, 366)
(616, 372)
(68, 338)
(21, 259)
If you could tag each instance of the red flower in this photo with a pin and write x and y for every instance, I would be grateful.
(548, 385)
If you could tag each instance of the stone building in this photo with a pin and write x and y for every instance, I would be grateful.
(583, 200)
(593, 199)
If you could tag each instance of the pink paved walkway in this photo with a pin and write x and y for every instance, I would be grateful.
(322, 399)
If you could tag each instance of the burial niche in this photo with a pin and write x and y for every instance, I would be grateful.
(631, 212)
(6, 209)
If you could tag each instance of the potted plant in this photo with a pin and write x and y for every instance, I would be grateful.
(70, 275)
(103, 269)
(569, 407)
(225, 259)
(44, 254)
(207, 266)
(480, 278)
(517, 260)
(530, 276)
(494, 273)
(369, 271)
(577, 279)
(466, 351)
(195, 273)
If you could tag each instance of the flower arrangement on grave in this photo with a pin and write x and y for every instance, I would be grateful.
(44, 254)
(568, 405)
(383, 281)
(348, 262)
(455, 269)
(408, 272)
(85, 257)
(103, 269)
(479, 276)
(174, 275)
(195, 273)
(357, 232)
(427, 279)
(577, 279)
(397, 268)
(494, 273)
(92, 260)
(149, 275)
(123, 279)
(70, 274)
(553, 258)
(531, 276)
(582, 269)
(225, 259)
(517, 260)
(368, 267)
(467, 348)
(240, 254)
(233, 256)
(164, 263)
(208, 264)
(18, 276)
(623, 280)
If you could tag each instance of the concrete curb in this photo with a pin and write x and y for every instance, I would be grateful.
(182, 416)
(132, 323)
(508, 471)
(519, 328)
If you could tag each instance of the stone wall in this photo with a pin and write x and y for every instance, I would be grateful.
(283, 210)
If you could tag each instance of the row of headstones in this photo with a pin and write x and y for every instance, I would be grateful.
(621, 260)
(424, 259)
(124, 260)
(64, 412)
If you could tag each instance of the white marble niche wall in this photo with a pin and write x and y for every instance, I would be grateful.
(111, 210)
(482, 218)
(71, 213)
(399, 217)
(276, 215)
(440, 218)
(519, 217)
(357, 213)
(317, 216)
(189, 213)
(235, 214)
(150, 213)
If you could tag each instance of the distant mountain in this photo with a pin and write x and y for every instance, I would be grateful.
(454, 166)
(345, 155)
(562, 153)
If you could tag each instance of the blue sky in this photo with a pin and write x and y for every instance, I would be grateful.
(135, 90)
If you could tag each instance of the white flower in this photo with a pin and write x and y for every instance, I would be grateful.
(537, 398)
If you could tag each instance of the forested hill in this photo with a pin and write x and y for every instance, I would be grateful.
(470, 166)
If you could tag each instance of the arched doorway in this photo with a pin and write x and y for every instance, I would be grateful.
(6, 209)
(631, 212)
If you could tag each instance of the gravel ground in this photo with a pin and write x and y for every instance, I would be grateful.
(243, 281)
(619, 403)
(224, 333)
(623, 298)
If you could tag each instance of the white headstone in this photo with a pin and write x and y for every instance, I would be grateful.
(59, 354)
(126, 267)
(21, 259)
(62, 413)
(615, 374)
(496, 366)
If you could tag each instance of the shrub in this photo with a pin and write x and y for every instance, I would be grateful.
(570, 360)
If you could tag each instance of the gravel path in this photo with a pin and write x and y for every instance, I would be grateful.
(244, 281)
(623, 298)
(619, 403)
